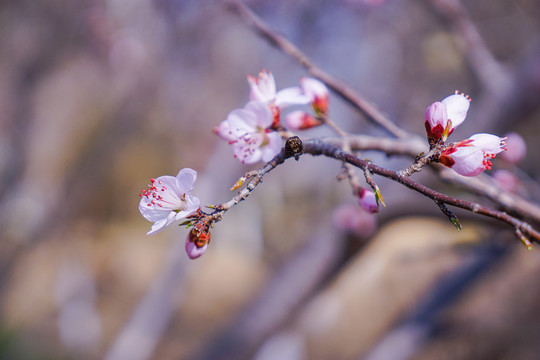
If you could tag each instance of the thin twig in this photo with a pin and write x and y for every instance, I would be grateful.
(488, 70)
(367, 109)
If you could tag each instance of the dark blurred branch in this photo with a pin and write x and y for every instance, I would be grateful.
(488, 70)
(342, 89)
(512, 93)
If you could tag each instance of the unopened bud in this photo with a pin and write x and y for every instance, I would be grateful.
(300, 120)
(368, 201)
(196, 243)
(318, 93)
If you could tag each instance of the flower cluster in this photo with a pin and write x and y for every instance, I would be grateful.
(468, 157)
(252, 131)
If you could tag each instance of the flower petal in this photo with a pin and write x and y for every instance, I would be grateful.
(273, 147)
(263, 88)
(162, 224)
(185, 180)
(292, 96)
(193, 251)
(260, 113)
(489, 143)
(457, 106)
(313, 88)
(469, 161)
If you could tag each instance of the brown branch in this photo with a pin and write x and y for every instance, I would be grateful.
(320, 148)
(407, 144)
(488, 70)
(481, 185)
(295, 148)
(367, 109)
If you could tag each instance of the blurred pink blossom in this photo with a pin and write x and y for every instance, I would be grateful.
(350, 217)
(517, 148)
(507, 180)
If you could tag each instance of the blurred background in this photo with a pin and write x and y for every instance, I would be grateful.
(99, 96)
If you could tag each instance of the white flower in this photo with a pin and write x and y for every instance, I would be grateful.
(247, 130)
(263, 90)
(169, 199)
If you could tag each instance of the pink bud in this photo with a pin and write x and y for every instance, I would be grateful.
(436, 120)
(516, 148)
(300, 120)
(318, 93)
(196, 243)
(368, 201)
(457, 106)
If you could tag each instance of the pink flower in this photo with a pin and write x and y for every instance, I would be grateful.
(300, 120)
(196, 243)
(517, 149)
(263, 90)
(368, 201)
(318, 93)
(247, 130)
(169, 199)
(442, 117)
(472, 156)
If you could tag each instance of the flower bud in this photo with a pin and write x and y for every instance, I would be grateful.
(196, 243)
(368, 201)
(300, 120)
(436, 120)
(318, 93)
(472, 156)
(457, 106)
(442, 117)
